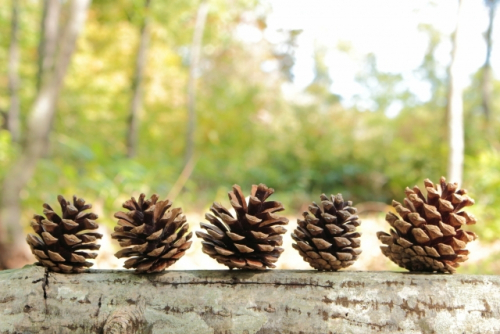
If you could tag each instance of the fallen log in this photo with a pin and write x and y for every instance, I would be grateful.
(274, 301)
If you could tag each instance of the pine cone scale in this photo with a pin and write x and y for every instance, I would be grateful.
(223, 251)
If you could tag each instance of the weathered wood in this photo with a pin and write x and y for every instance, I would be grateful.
(247, 302)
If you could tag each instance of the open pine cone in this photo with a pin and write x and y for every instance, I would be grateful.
(327, 239)
(60, 240)
(429, 235)
(251, 239)
(158, 236)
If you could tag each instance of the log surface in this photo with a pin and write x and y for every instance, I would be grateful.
(277, 301)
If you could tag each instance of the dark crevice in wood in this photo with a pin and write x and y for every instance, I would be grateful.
(99, 304)
(45, 284)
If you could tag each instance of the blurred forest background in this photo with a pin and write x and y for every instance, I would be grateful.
(109, 99)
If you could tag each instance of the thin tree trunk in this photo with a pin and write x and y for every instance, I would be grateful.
(140, 64)
(182, 179)
(486, 80)
(13, 116)
(455, 104)
(193, 71)
(12, 245)
(47, 46)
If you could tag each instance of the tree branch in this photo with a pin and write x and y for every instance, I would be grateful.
(223, 301)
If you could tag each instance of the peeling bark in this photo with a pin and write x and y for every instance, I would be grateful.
(224, 301)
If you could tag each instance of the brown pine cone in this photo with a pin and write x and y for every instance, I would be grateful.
(429, 235)
(251, 239)
(157, 235)
(327, 238)
(59, 241)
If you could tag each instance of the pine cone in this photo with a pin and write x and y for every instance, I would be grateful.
(429, 236)
(251, 240)
(157, 235)
(59, 240)
(326, 238)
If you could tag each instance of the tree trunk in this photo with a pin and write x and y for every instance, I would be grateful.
(224, 301)
(47, 46)
(13, 68)
(12, 245)
(182, 179)
(455, 103)
(194, 61)
(140, 64)
(486, 80)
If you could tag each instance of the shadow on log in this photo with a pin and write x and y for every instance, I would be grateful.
(278, 301)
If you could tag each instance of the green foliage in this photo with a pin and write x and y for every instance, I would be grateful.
(246, 132)
(484, 180)
(7, 151)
